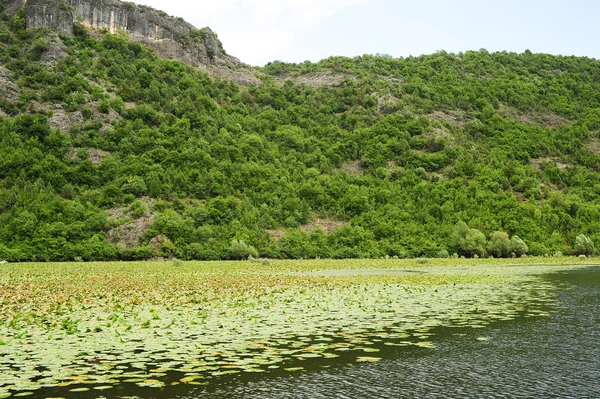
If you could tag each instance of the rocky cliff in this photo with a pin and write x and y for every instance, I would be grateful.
(173, 38)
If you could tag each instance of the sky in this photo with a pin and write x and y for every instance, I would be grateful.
(261, 31)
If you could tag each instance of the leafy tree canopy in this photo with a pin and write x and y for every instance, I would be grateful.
(106, 150)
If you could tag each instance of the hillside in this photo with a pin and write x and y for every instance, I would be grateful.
(108, 151)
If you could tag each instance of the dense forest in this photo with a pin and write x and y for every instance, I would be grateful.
(109, 152)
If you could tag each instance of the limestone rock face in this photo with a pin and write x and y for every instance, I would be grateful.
(9, 91)
(134, 19)
(56, 51)
(173, 38)
(12, 6)
(53, 14)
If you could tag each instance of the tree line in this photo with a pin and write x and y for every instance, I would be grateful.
(476, 153)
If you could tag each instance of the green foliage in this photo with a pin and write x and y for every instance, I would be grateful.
(584, 246)
(385, 162)
(240, 250)
(466, 241)
(137, 209)
(499, 245)
(443, 254)
(104, 107)
(518, 246)
(38, 47)
(80, 31)
(128, 5)
(199, 35)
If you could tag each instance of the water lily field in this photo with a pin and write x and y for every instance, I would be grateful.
(93, 329)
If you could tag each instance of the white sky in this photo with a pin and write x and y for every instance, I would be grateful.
(259, 31)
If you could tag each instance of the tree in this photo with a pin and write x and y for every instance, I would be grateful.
(518, 246)
(466, 241)
(240, 250)
(584, 246)
(499, 245)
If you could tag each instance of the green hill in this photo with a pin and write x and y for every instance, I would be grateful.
(109, 152)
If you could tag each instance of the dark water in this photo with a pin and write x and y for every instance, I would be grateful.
(550, 357)
(537, 357)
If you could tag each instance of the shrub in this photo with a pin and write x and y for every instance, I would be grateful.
(104, 107)
(584, 246)
(38, 47)
(86, 112)
(518, 246)
(466, 241)
(499, 245)
(80, 31)
(443, 254)
(68, 191)
(137, 209)
(135, 186)
(177, 262)
(117, 104)
(240, 250)
(197, 251)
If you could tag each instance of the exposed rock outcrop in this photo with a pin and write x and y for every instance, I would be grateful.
(173, 38)
(159, 243)
(56, 51)
(54, 14)
(9, 91)
(130, 232)
(60, 119)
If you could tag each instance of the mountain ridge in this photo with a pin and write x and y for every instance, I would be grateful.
(172, 37)
(108, 151)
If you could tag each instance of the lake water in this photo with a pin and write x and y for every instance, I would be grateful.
(552, 357)
(530, 357)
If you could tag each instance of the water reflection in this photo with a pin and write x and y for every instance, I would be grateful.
(555, 357)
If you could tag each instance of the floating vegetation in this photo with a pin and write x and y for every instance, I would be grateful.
(100, 325)
(367, 359)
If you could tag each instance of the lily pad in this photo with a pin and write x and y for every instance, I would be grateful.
(367, 359)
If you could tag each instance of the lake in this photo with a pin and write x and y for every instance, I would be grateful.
(300, 330)
(553, 357)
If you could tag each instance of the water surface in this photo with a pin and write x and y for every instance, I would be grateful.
(487, 340)
(553, 357)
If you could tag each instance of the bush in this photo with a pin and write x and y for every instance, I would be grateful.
(584, 246)
(104, 107)
(38, 47)
(197, 251)
(443, 254)
(135, 186)
(80, 31)
(518, 246)
(137, 209)
(117, 104)
(239, 250)
(87, 113)
(499, 245)
(467, 242)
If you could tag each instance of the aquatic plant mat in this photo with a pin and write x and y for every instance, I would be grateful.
(89, 329)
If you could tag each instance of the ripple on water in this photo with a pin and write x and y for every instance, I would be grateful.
(555, 357)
